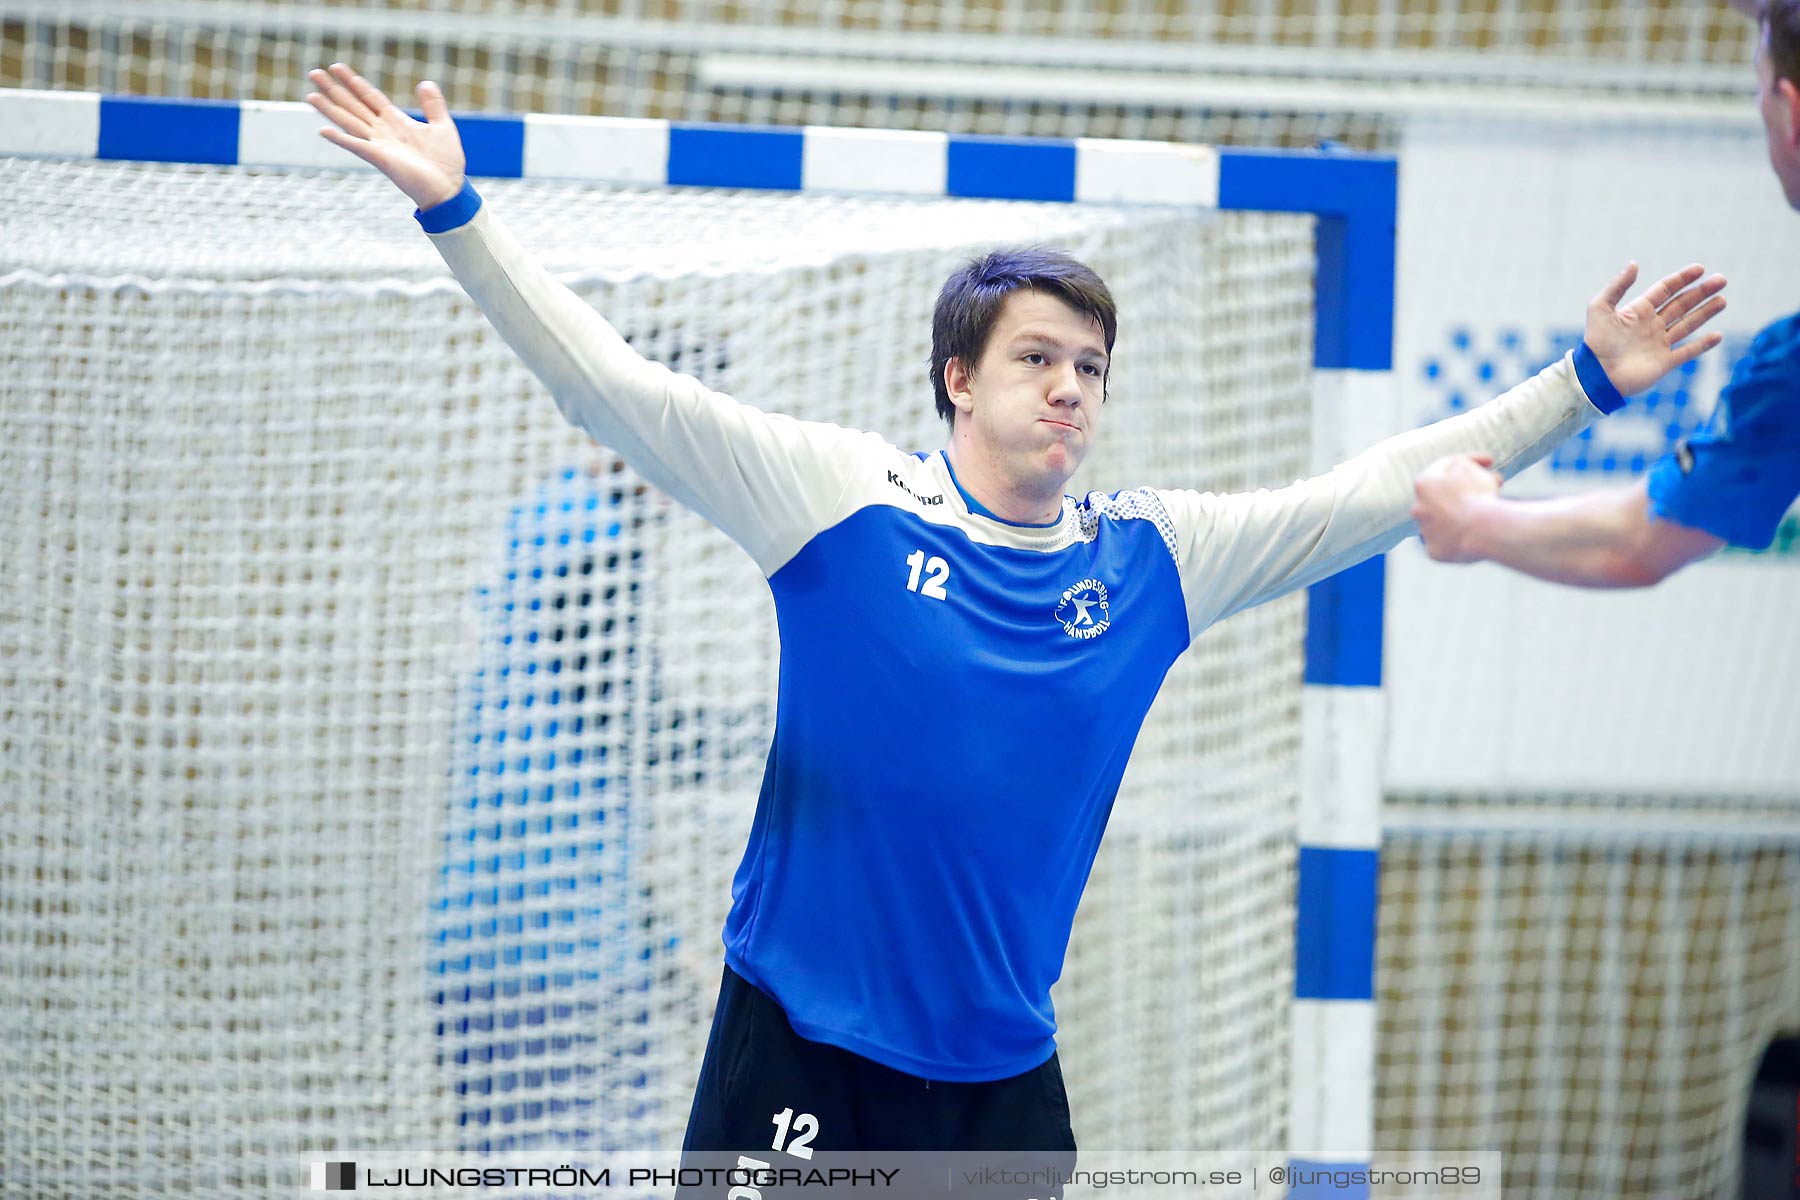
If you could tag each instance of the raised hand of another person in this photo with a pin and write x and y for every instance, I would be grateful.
(1640, 342)
(424, 159)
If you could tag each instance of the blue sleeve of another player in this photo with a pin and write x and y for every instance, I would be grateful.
(1737, 477)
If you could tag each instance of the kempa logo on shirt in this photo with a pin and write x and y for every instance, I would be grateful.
(900, 483)
(1083, 611)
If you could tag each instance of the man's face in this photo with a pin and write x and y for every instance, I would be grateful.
(1780, 105)
(1034, 399)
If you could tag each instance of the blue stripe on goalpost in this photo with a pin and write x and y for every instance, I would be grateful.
(1354, 200)
(177, 131)
(1343, 627)
(1012, 168)
(731, 156)
(1335, 935)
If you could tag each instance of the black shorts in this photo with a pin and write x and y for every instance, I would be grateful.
(769, 1095)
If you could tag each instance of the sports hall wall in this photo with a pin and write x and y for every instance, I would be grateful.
(1502, 684)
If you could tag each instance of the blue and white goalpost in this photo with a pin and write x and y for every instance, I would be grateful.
(1151, 1020)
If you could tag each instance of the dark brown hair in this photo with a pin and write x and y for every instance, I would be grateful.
(1781, 22)
(970, 301)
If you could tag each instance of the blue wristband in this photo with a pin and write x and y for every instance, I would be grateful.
(457, 211)
(1599, 388)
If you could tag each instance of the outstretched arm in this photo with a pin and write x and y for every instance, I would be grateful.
(1732, 480)
(1600, 539)
(1240, 550)
(769, 481)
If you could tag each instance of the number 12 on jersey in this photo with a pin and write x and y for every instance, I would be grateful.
(935, 570)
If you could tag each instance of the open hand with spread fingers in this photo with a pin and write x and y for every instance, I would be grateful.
(1640, 342)
(423, 158)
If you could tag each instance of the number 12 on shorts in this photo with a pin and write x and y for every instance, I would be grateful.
(805, 1129)
(936, 572)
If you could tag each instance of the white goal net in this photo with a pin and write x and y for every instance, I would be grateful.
(377, 750)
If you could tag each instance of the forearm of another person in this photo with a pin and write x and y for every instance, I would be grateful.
(1600, 539)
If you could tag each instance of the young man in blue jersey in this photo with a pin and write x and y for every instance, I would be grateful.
(1731, 482)
(920, 844)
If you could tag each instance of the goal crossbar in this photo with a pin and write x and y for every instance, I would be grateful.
(1353, 196)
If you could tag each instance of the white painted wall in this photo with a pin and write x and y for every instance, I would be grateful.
(1501, 684)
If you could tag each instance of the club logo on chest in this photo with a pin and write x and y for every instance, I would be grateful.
(1082, 609)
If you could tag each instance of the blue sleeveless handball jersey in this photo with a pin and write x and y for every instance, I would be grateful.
(958, 695)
